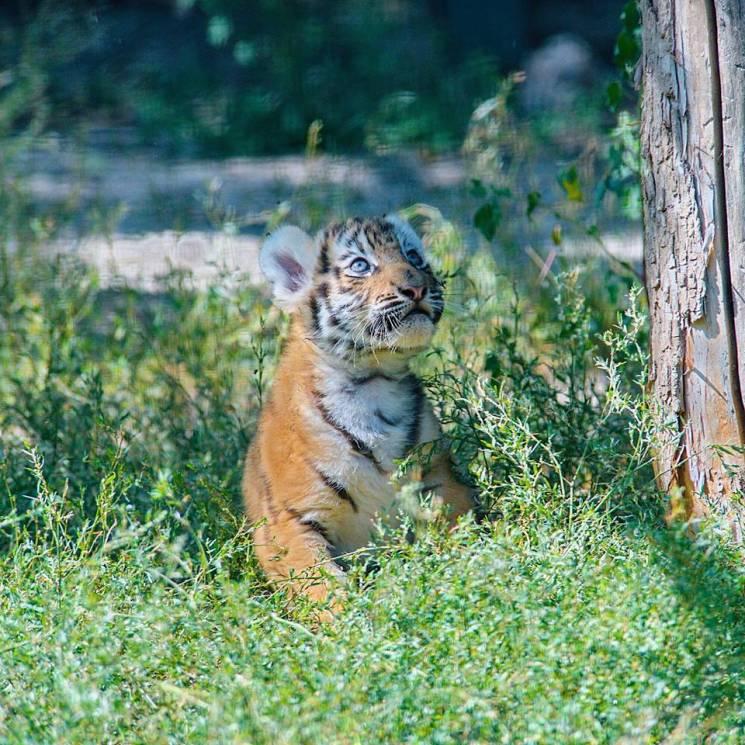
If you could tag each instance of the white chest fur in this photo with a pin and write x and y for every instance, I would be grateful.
(382, 413)
(373, 420)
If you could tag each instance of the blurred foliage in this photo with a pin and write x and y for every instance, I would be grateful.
(31, 49)
(628, 47)
(373, 73)
(216, 77)
(622, 176)
(95, 379)
(517, 207)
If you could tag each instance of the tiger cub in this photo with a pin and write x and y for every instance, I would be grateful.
(343, 406)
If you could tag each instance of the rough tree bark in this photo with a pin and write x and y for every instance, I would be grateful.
(693, 190)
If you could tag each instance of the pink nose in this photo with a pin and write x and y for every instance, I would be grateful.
(414, 293)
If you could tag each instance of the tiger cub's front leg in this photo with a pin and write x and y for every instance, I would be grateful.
(292, 547)
(295, 555)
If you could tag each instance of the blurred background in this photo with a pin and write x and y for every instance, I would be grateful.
(143, 136)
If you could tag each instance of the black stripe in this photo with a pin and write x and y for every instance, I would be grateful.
(387, 230)
(314, 315)
(392, 306)
(357, 445)
(323, 291)
(374, 376)
(267, 492)
(374, 240)
(312, 524)
(353, 240)
(337, 488)
(318, 528)
(323, 259)
(430, 487)
(383, 418)
(437, 303)
(340, 321)
(333, 320)
(412, 435)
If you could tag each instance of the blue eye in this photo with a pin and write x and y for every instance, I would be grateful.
(359, 266)
(414, 259)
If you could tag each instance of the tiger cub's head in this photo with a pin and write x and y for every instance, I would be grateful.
(361, 286)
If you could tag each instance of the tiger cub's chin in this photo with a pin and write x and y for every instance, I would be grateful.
(416, 332)
(344, 409)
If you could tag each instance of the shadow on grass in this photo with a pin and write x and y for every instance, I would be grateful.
(706, 574)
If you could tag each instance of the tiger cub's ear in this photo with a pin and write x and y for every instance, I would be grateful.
(407, 236)
(287, 259)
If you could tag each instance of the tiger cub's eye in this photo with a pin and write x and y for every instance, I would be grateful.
(359, 266)
(414, 259)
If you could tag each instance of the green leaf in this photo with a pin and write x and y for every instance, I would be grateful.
(219, 30)
(630, 16)
(569, 181)
(478, 189)
(556, 235)
(534, 199)
(627, 48)
(487, 219)
(628, 44)
(614, 93)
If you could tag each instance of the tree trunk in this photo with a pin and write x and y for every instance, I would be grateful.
(693, 191)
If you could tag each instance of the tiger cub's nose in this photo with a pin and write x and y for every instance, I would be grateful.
(412, 292)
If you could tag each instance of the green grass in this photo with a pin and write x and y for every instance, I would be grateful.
(479, 636)
(131, 606)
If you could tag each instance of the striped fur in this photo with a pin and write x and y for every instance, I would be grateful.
(343, 406)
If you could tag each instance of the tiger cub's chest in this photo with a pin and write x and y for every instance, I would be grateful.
(382, 413)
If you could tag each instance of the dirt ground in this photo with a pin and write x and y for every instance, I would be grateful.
(151, 214)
